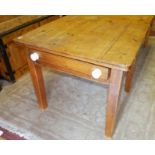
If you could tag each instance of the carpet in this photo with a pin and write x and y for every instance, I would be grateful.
(7, 135)
(76, 107)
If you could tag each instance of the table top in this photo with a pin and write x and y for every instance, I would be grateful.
(4, 18)
(104, 40)
(11, 23)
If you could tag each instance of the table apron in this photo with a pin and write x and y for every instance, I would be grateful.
(74, 67)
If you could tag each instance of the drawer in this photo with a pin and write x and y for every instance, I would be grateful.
(74, 67)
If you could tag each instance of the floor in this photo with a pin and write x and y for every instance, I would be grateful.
(77, 107)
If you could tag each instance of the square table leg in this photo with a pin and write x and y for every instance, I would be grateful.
(112, 100)
(129, 77)
(38, 82)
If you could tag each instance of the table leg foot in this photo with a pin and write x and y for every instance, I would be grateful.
(107, 138)
(112, 102)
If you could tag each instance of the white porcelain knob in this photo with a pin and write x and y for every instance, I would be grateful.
(34, 56)
(96, 73)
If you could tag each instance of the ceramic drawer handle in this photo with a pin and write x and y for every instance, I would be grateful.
(34, 56)
(96, 73)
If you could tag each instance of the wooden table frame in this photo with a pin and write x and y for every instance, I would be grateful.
(112, 71)
(114, 81)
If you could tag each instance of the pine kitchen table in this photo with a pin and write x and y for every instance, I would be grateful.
(97, 48)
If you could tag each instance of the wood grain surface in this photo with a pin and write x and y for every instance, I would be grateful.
(78, 44)
(111, 41)
(15, 21)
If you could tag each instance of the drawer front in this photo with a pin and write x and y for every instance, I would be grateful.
(74, 67)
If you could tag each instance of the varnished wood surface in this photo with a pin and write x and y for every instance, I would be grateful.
(77, 44)
(9, 37)
(111, 41)
(15, 21)
(129, 77)
(4, 18)
(112, 100)
(16, 53)
(38, 82)
(73, 67)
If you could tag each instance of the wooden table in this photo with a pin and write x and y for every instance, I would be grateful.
(97, 48)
